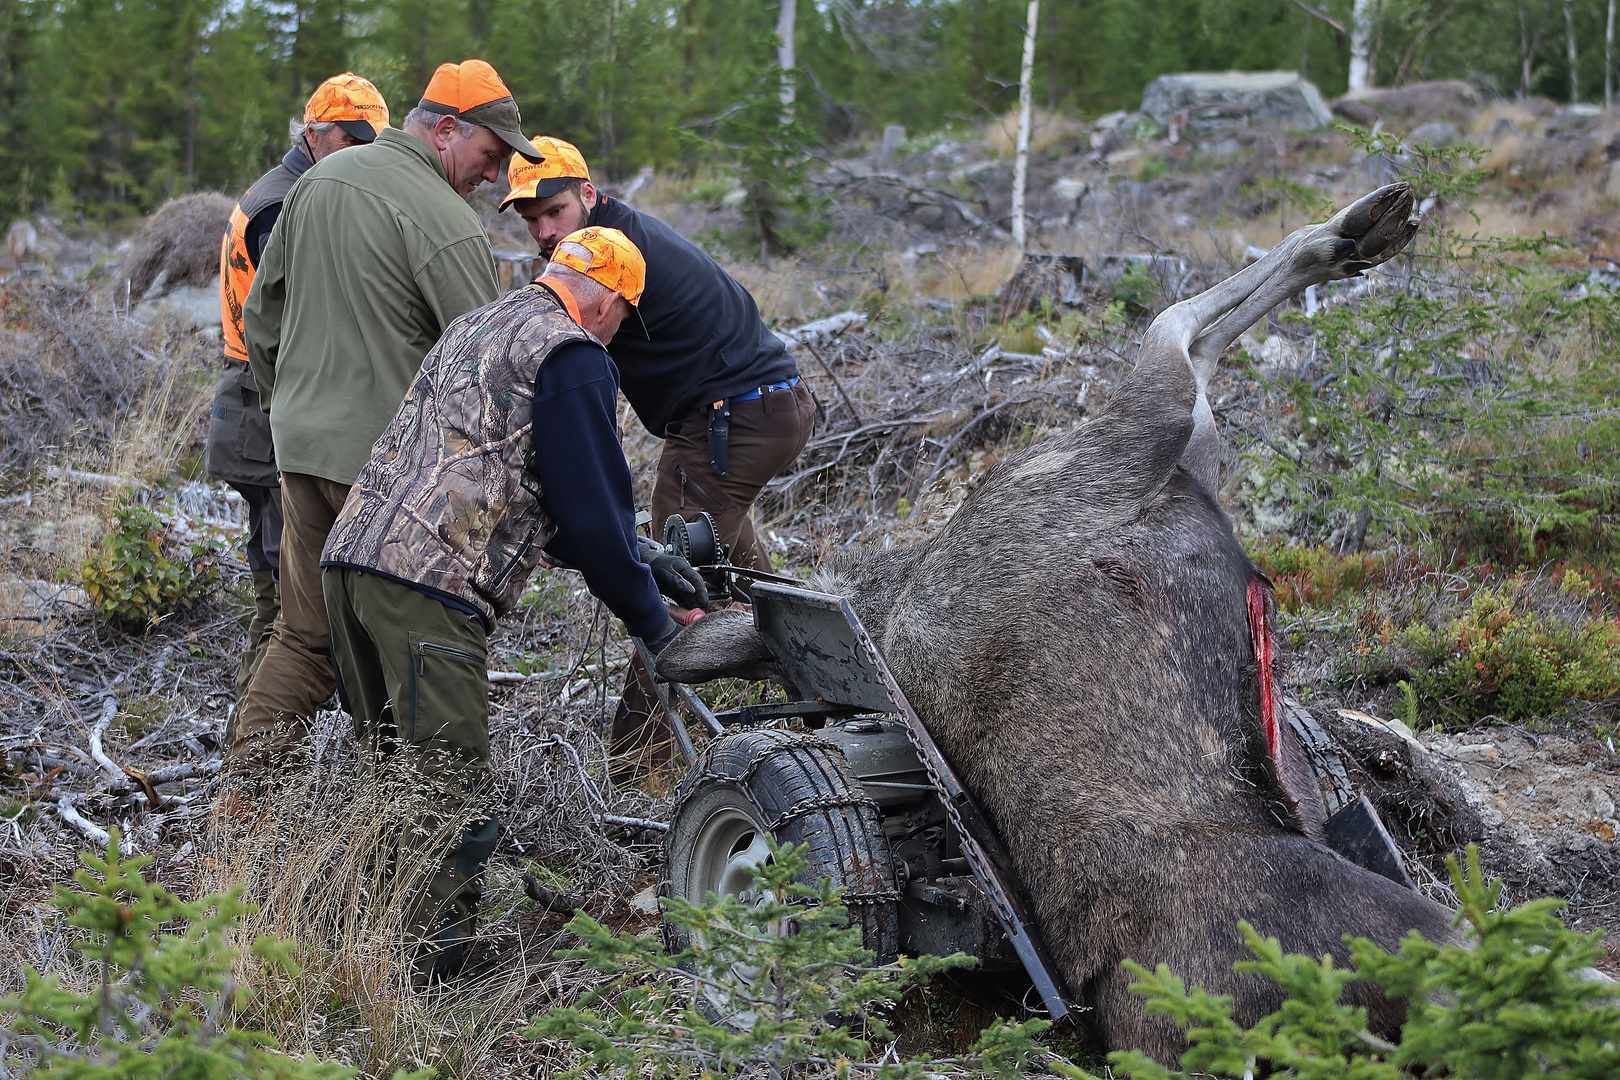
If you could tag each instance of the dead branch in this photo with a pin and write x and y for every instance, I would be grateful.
(109, 709)
(89, 829)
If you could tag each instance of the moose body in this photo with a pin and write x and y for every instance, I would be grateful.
(1079, 640)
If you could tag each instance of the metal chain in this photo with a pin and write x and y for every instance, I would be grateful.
(821, 802)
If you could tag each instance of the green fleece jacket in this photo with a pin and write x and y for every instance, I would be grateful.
(373, 256)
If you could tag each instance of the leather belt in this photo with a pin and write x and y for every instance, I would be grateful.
(720, 423)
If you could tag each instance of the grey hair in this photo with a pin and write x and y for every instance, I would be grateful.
(425, 120)
(296, 129)
(587, 290)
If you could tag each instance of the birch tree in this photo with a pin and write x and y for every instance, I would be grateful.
(1021, 153)
(785, 17)
(1361, 24)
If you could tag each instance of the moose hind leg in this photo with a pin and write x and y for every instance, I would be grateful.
(1202, 458)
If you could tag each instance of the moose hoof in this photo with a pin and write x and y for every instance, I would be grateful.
(1374, 228)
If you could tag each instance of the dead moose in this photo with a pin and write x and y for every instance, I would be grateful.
(1094, 674)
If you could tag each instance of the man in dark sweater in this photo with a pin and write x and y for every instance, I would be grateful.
(709, 379)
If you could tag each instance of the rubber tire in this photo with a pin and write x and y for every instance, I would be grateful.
(765, 773)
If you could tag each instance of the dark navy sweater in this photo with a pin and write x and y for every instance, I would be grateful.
(258, 230)
(705, 338)
(586, 483)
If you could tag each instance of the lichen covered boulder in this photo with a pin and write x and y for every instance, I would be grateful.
(1205, 102)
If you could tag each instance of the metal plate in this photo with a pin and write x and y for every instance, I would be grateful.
(816, 647)
(1356, 833)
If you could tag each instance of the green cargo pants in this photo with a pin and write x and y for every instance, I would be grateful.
(412, 674)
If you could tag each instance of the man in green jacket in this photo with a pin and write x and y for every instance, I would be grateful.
(376, 251)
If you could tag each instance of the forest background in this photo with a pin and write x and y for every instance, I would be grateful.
(109, 107)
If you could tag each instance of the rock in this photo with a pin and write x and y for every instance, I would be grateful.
(29, 600)
(1445, 99)
(1435, 133)
(1359, 113)
(22, 241)
(1475, 752)
(1068, 189)
(1214, 101)
(189, 305)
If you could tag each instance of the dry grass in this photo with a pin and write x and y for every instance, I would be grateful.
(84, 387)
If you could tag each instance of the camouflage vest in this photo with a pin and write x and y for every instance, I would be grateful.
(449, 499)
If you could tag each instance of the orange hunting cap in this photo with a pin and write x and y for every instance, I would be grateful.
(351, 103)
(471, 91)
(562, 162)
(607, 257)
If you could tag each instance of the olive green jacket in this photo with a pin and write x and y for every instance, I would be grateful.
(373, 255)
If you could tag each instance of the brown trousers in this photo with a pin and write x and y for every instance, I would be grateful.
(767, 433)
(294, 679)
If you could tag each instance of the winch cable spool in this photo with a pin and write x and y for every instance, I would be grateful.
(698, 542)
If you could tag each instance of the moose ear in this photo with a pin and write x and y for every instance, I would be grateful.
(724, 644)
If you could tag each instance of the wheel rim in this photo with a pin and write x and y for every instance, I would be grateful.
(729, 847)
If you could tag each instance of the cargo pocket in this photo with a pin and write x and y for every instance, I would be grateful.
(449, 704)
(255, 443)
(224, 427)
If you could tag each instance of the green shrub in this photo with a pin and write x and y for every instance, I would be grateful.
(1469, 404)
(1136, 291)
(1512, 1002)
(780, 984)
(165, 996)
(143, 572)
(1316, 576)
(1500, 657)
(1503, 659)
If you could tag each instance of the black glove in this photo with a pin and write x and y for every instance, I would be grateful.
(655, 645)
(673, 575)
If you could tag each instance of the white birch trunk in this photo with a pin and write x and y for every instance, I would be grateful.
(1574, 57)
(1361, 20)
(786, 13)
(1021, 153)
(1608, 59)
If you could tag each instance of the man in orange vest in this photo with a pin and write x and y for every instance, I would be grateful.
(345, 110)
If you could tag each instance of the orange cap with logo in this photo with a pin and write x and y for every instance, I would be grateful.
(563, 162)
(351, 103)
(471, 91)
(607, 257)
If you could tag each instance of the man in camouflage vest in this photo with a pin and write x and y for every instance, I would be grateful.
(506, 446)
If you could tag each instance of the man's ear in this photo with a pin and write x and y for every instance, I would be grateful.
(587, 194)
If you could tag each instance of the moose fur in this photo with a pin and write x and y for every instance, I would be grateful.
(1077, 640)
(180, 243)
